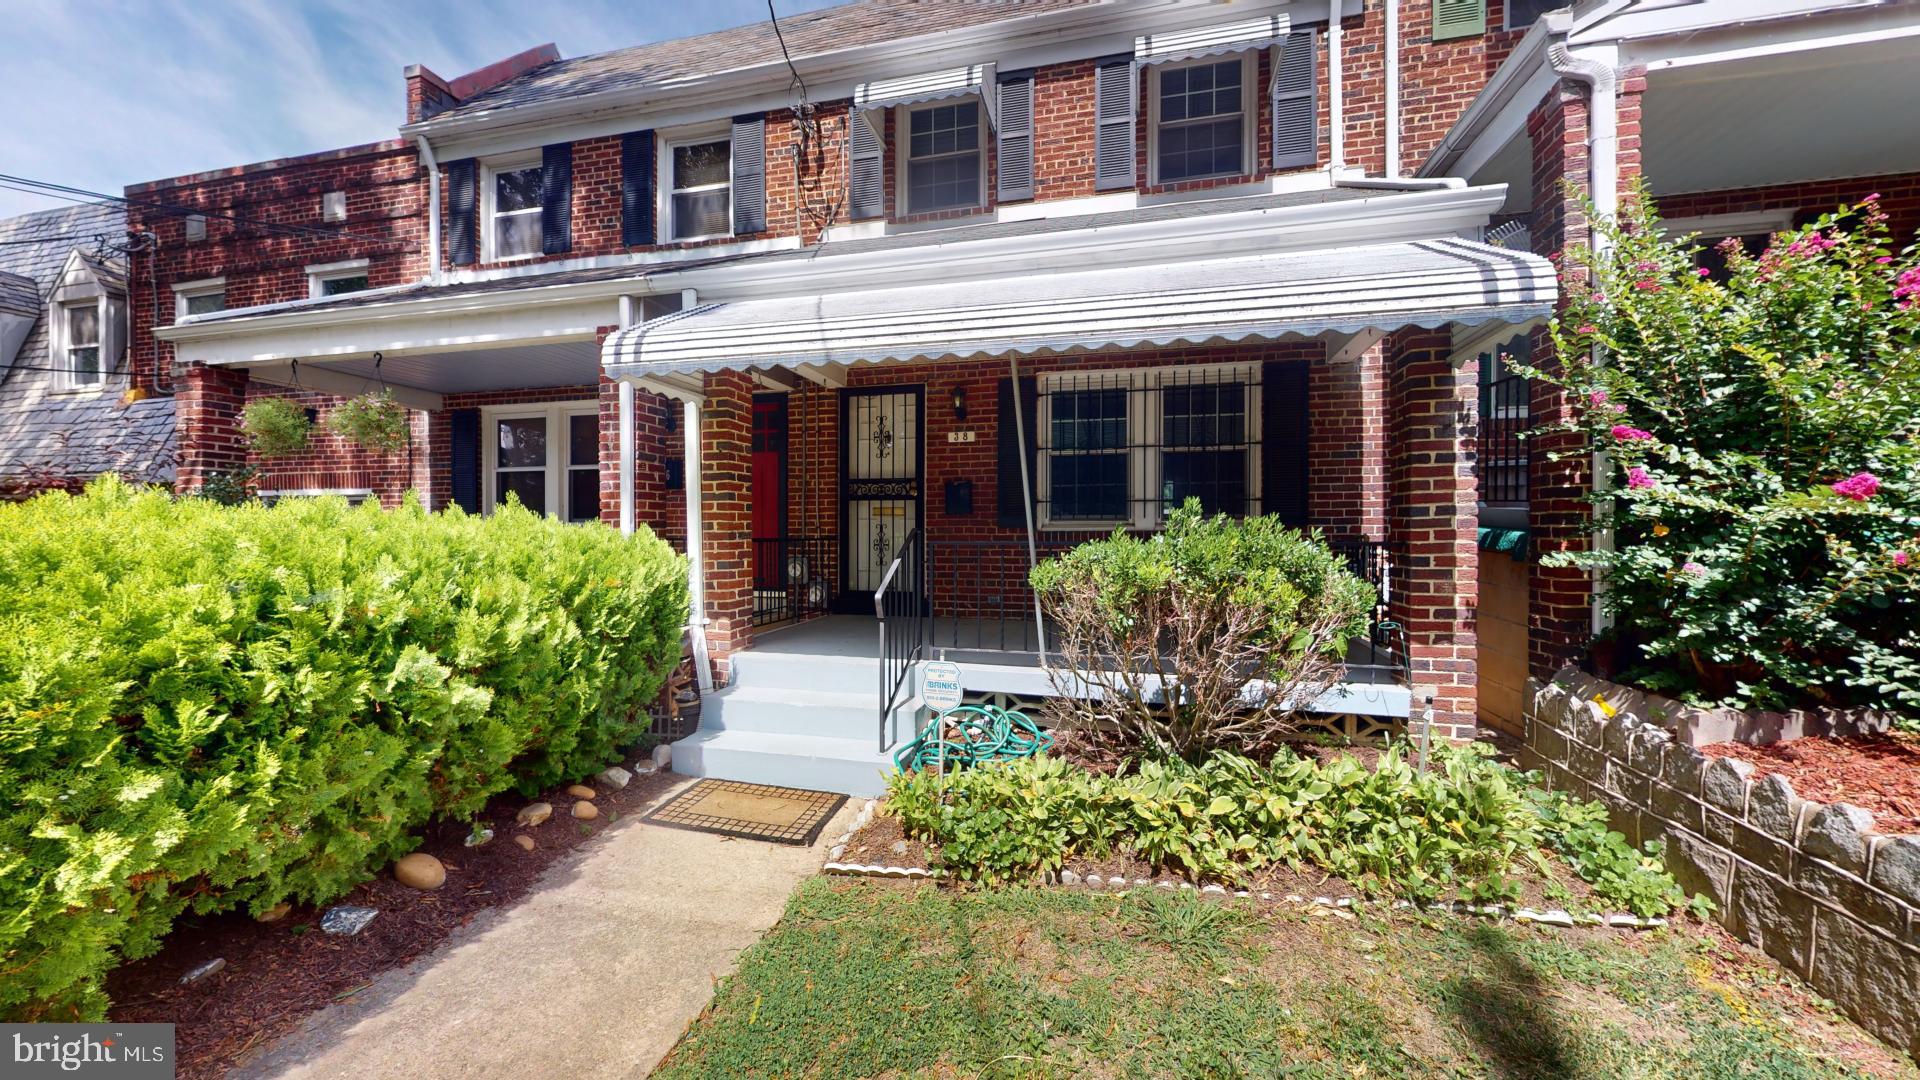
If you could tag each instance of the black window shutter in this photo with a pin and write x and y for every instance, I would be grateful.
(463, 459)
(1296, 112)
(1010, 498)
(749, 175)
(556, 198)
(1283, 441)
(463, 211)
(1015, 160)
(636, 189)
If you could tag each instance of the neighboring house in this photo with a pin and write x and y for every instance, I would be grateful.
(962, 283)
(66, 414)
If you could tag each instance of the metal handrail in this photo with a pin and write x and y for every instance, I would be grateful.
(902, 640)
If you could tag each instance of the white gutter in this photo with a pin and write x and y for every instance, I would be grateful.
(1393, 90)
(433, 208)
(1336, 111)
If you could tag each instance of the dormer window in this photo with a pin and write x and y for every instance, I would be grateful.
(700, 189)
(945, 164)
(1200, 125)
(512, 211)
(82, 345)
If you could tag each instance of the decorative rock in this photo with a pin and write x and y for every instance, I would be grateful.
(585, 810)
(534, 813)
(525, 842)
(1096, 880)
(1556, 917)
(1724, 785)
(478, 837)
(211, 967)
(1838, 834)
(1774, 809)
(615, 777)
(582, 791)
(1213, 889)
(1069, 877)
(420, 871)
(899, 847)
(1896, 867)
(274, 913)
(836, 851)
(347, 920)
(663, 756)
(644, 767)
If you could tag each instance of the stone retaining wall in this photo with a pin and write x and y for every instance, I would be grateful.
(1813, 885)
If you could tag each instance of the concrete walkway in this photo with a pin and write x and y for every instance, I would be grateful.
(594, 974)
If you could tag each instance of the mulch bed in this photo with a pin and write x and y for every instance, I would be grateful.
(1878, 773)
(278, 973)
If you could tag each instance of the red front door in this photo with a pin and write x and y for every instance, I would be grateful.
(769, 489)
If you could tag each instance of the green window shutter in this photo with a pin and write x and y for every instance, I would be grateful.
(1458, 19)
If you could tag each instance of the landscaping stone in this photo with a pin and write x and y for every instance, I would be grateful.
(1700, 868)
(1773, 808)
(1617, 734)
(1724, 785)
(1681, 767)
(1675, 806)
(1838, 834)
(585, 810)
(663, 756)
(1764, 850)
(475, 839)
(1068, 877)
(420, 871)
(534, 813)
(211, 967)
(1646, 749)
(525, 842)
(644, 767)
(1587, 724)
(1774, 918)
(346, 920)
(615, 777)
(1896, 867)
(582, 791)
(274, 913)
(1870, 977)
(1825, 881)
(836, 851)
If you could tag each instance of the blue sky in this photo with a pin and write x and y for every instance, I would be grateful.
(99, 94)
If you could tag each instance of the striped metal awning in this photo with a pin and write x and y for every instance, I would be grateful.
(1429, 283)
(1213, 40)
(932, 86)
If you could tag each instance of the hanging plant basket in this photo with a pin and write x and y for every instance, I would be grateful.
(276, 426)
(373, 422)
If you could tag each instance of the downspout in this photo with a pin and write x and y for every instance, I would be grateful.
(1336, 110)
(1026, 499)
(1603, 187)
(433, 208)
(1393, 90)
(696, 553)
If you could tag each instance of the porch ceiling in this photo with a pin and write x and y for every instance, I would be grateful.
(519, 367)
(1428, 283)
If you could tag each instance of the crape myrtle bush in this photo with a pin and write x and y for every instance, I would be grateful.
(1763, 472)
(207, 708)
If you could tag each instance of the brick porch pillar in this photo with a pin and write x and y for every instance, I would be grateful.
(1432, 522)
(206, 410)
(726, 513)
(1347, 444)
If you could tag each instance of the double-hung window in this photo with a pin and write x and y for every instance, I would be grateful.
(512, 197)
(547, 457)
(1125, 447)
(700, 189)
(81, 343)
(945, 157)
(1202, 119)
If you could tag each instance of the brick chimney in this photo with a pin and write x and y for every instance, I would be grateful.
(428, 94)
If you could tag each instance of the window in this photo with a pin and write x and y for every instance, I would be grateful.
(1524, 13)
(700, 187)
(337, 279)
(82, 345)
(945, 165)
(199, 297)
(1752, 230)
(1123, 448)
(548, 457)
(513, 211)
(1200, 124)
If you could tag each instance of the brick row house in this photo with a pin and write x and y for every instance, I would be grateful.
(866, 319)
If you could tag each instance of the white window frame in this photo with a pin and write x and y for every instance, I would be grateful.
(489, 187)
(321, 273)
(691, 137)
(558, 415)
(1145, 413)
(903, 154)
(66, 377)
(1249, 114)
(186, 290)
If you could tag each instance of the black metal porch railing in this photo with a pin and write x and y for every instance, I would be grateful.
(900, 607)
(1385, 656)
(1506, 411)
(792, 576)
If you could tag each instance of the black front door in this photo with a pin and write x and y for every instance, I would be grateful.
(881, 456)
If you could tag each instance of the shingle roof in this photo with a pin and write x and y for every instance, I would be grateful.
(37, 245)
(808, 34)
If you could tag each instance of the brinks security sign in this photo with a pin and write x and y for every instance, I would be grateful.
(940, 685)
(121, 1051)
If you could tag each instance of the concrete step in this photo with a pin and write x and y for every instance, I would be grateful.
(800, 671)
(811, 762)
(783, 710)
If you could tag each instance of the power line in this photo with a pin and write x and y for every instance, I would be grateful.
(75, 194)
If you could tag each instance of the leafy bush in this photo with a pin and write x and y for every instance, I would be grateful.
(1209, 635)
(373, 422)
(1763, 459)
(1464, 827)
(275, 426)
(213, 708)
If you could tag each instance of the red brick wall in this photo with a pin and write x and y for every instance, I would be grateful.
(1899, 197)
(208, 404)
(1347, 445)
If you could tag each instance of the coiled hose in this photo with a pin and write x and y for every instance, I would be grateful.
(981, 733)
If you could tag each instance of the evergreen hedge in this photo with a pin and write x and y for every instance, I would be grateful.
(213, 708)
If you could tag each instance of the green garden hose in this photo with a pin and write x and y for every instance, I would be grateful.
(982, 733)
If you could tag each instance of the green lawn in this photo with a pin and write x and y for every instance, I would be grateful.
(871, 979)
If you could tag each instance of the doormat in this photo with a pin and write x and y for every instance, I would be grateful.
(749, 811)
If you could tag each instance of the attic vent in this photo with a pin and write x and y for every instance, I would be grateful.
(196, 228)
(333, 206)
(1458, 19)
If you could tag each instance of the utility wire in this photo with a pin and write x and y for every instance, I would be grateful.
(81, 195)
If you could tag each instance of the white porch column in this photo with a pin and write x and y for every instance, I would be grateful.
(696, 559)
(627, 515)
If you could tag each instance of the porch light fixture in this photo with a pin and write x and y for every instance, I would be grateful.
(960, 402)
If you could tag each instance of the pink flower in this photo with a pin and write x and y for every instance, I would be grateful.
(1900, 558)
(1630, 434)
(1598, 397)
(1859, 487)
(1701, 271)
(1588, 328)
(1617, 408)
(1637, 477)
(1694, 569)
(1875, 197)
(1884, 260)
(1647, 285)
(1645, 267)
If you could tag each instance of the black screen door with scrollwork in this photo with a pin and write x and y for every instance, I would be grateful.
(881, 455)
